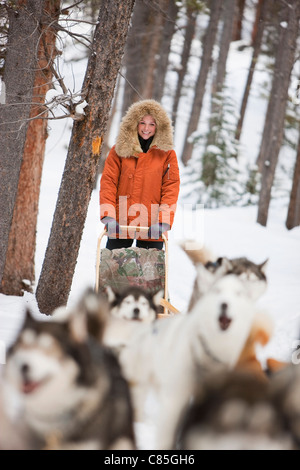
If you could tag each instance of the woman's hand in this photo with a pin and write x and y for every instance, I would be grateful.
(111, 225)
(156, 230)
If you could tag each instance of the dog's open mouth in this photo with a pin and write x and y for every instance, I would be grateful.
(30, 386)
(224, 321)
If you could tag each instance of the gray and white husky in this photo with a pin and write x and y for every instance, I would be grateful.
(247, 270)
(64, 390)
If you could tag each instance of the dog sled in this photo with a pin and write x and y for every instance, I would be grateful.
(145, 268)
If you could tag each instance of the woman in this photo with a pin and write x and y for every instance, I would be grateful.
(140, 181)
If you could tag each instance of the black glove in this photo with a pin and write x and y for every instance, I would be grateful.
(155, 231)
(111, 225)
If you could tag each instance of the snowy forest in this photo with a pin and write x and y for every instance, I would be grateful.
(176, 52)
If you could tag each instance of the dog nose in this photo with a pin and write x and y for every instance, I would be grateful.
(24, 370)
(224, 307)
(136, 312)
(224, 320)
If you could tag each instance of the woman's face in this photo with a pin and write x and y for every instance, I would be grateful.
(146, 127)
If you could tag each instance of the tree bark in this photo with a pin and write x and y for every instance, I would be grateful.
(238, 23)
(278, 99)
(228, 16)
(83, 155)
(257, 41)
(267, 131)
(137, 53)
(19, 78)
(206, 61)
(293, 216)
(20, 265)
(169, 22)
(185, 55)
(209, 168)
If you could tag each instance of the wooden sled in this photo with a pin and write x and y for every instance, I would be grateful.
(168, 308)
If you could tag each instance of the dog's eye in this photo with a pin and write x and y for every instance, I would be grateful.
(45, 341)
(28, 337)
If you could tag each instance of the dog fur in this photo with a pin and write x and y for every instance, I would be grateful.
(65, 390)
(246, 269)
(163, 355)
(260, 334)
(134, 303)
(234, 410)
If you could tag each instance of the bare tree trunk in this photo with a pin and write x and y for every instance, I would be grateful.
(185, 55)
(136, 58)
(279, 95)
(170, 14)
(267, 131)
(19, 78)
(20, 256)
(238, 23)
(83, 155)
(257, 20)
(257, 41)
(293, 216)
(206, 61)
(228, 14)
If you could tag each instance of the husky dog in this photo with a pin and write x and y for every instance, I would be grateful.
(165, 354)
(233, 411)
(134, 303)
(285, 389)
(69, 391)
(246, 269)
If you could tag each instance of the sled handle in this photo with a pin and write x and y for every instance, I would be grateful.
(137, 228)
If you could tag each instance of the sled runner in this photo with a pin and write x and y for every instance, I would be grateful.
(145, 268)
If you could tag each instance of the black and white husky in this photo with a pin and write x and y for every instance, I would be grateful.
(63, 390)
(134, 303)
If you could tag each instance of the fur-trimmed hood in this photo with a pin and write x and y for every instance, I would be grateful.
(127, 143)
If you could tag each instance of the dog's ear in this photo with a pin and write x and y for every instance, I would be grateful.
(111, 295)
(157, 297)
(263, 266)
(90, 316)
(204, 278)
(225, 266)
(197, 253)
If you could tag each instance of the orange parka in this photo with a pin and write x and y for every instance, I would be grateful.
(139, 188)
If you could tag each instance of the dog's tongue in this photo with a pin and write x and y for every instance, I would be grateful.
(29, 387)
(224, 321)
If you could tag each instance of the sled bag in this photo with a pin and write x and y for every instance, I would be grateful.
(125, 267)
